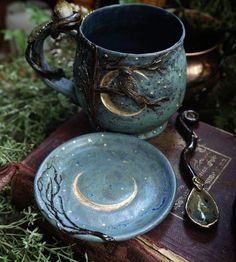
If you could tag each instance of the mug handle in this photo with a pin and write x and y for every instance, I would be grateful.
(35, 56)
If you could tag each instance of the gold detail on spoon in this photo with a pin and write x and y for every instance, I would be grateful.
(200, 206)
(102, 207)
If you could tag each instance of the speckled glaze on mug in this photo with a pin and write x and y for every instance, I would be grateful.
(129, 67)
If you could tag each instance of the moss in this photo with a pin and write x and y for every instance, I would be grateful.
(29, 111)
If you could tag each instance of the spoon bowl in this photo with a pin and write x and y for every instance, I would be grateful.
(201, 208)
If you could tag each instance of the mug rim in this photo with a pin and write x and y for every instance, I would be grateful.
(118, 53)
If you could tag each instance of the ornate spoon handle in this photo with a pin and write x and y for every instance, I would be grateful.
(189, 117)
(200, 206)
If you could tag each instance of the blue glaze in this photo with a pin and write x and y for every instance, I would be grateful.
(168, 80)
(136, 53)
(110, 167)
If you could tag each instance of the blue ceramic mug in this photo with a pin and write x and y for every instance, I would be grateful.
(129, 66)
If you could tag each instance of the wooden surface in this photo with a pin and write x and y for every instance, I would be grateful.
(175, 239)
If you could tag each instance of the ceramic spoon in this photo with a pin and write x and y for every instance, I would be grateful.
(200, 206)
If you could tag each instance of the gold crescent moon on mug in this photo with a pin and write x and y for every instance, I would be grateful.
(105, 98)
(102, 207)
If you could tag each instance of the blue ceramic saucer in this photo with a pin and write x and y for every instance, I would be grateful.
(105, 186)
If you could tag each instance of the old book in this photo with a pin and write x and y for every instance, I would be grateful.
(176, 238)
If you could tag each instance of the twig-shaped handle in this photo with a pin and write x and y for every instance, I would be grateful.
(184, 120)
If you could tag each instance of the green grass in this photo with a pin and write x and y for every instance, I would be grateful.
(21, 240)
(29, 111)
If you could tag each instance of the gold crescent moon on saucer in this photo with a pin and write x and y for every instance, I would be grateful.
(106, 100)
(102, 207)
